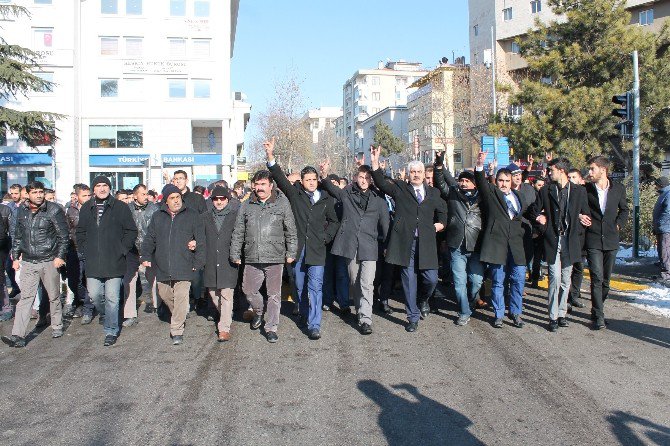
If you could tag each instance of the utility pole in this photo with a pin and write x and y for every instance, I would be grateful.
(636, 156)
(493, 89)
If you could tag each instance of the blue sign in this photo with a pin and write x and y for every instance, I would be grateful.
(502, 150)
(192, 159)
(117, 160)
(25, 159)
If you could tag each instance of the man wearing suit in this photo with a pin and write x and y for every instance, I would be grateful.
(560, 205)
(503, 244)
(609, 212)
(420, 213)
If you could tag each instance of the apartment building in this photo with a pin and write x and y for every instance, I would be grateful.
(321, 119)
(369, 91)
(395, 117)
(144, 85)
(439, 115)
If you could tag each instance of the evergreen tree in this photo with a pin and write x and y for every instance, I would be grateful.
(575, 66)
(17, 81)
(384, 136)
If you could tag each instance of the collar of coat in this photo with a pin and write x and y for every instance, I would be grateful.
(42, 207)
(166, 209)
(253, 198)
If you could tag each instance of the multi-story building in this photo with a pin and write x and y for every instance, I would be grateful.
(321, 119)
(144, 85)
(395, 117)
(369, 91)
(439, 115)
(494, 27)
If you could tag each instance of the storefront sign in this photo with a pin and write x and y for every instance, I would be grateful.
(117, 160)
(192, 159)
(25, 159)
(155, 67)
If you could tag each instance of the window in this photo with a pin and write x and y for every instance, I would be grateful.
(177, 47)
(458, 131)
(134, 7)
(43, 2)
(109, 6)
(475, 30)
(201, 88)
(515, 111)
(375, 80)
(134, 46)
(133, 89)
(177, 88)
(397, 95)
(507, 14)
(115, 136)
(109, 46)
(201, 48)
(375, 110)
(43, 38)
(646, 17)
(109, 88)
(535, 6)
(458, 156)
(376, 96)
(201, 8)
(515, 48)
(178, 8)
(48, 77)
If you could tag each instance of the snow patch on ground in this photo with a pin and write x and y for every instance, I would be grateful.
(625, 256)
(655, 299)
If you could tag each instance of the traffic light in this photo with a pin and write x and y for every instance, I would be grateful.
(624, 111)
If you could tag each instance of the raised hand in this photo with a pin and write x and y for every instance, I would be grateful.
(402, 173)
(481, 157)
(549, 156)
(374, 156)
(324, 167)
(439, 159)
(360, 161)
(269, 147)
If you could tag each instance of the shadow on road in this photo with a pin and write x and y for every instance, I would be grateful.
(653, 334)
(622, 425)
(416, 419)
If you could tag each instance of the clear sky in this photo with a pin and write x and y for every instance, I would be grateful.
(326, 41)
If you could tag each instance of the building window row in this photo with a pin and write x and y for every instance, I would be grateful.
(133, 88)
(177, 8)
(115, 136)
(200, 48)
(132, 46)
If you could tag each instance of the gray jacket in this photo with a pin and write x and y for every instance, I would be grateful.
(142, 216)
(661, 213)
(264, 232)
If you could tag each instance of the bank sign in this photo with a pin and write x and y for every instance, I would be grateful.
(192, 159)
(25, 159)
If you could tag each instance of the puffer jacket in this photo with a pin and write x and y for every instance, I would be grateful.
(40, 236)
(5, 224)
(464, 216)
(661, 213)
(264, 233)
(142, 216)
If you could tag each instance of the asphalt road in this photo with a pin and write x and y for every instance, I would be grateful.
(443, 385)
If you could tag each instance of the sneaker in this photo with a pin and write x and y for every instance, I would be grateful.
(78, 312)
(553, 326)
(498, 323)
(462, 320)
(68, 311)
(6, 315)
(366, 329)
(14, 341)
(272, 337)
(57, 333)
(256, 321)
(130, 322)
(177, 339)
(315, 334)
(325, 307)
(149, 308)
(562, 322)
(516, 320)
(86, 319)
(109, 340)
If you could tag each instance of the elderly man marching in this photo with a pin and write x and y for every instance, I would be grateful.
(420, 213)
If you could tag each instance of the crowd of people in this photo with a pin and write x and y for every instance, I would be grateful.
(333, 242)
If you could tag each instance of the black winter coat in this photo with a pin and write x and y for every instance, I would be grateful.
(194, 201)
(410, 216)
(166, 244)
(501, 234)
(547, 203)
(40, 236)
(105, 244)
(220, 272)
(359, 233)
(317, 223)
(465, 219)
(603, 233)
(5, 224)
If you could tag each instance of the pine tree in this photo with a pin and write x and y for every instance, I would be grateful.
(575, 66)
(384, 136)
(17, 81)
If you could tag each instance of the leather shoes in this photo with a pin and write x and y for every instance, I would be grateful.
(272, 337)
(424, 307)
(315, 334)
(498, 323)
(600, 324)
(411, 327)
(386, 309)
(14, 341)
(577, 304)
(562, 322)
(553, 326)
(223, 336)
(366, 329)
(256, 321)
(109, 340)
(516, 319)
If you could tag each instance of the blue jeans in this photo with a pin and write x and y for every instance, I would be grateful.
(410, 288)
(105, 294)
(467, 270)
(309, 284)
(516, 274)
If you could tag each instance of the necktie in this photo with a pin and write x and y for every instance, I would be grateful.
(510, 205)
(311, 197)
(419, 198)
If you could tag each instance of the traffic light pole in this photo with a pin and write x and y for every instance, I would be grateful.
(636, 157)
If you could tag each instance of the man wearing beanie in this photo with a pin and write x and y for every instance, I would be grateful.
(105, 234)
(463, 234)
(661, 226)
(175, 247)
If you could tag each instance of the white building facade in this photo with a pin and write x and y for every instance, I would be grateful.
(321, 119)
(144, 85)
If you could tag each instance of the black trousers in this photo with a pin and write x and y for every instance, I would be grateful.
(576, 280)
(538, 256)
(601, 264)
